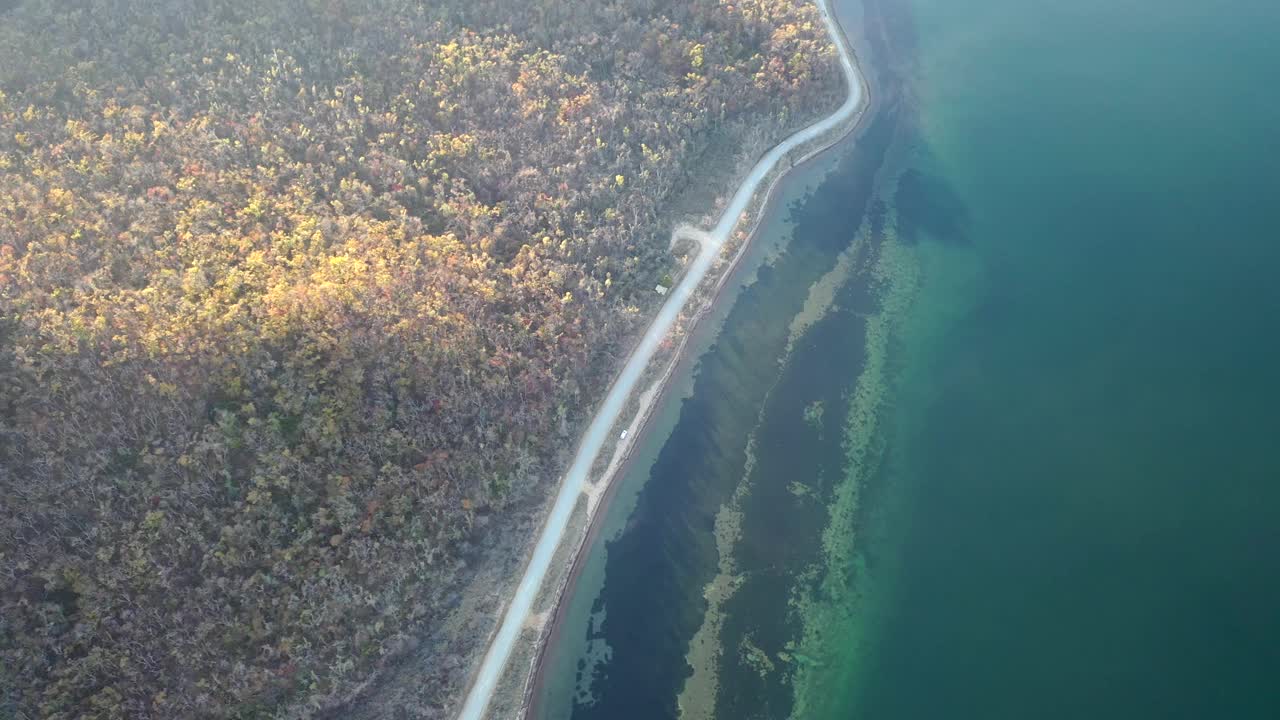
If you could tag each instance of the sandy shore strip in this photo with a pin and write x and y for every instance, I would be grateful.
(763, 176)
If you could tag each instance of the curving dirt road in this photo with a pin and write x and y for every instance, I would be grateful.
(571, 487)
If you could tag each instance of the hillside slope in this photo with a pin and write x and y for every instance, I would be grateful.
(297, 298)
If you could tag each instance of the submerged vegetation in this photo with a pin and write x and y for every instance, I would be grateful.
(780, 664)
(296, 296)
(825, 601)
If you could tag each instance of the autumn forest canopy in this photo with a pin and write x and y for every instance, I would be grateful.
(298, 296)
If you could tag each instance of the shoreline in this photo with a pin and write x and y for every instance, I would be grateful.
(680, 361)
(754, 193)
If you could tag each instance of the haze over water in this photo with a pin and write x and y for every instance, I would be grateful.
(1069, 502)
(1088, 414)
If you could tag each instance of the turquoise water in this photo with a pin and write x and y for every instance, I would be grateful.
(1026, 463)
(1087, 427)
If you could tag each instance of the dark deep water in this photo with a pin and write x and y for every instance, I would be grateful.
(1027, 462)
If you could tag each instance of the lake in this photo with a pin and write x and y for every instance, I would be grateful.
(986, 428)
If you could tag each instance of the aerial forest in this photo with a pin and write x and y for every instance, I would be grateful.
(298, 297)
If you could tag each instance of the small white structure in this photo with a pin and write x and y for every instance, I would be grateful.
(661, 289)
(623, 436)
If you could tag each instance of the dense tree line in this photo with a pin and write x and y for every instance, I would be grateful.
(292, 292)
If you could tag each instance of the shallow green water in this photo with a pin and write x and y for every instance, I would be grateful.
(1027, 463)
